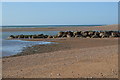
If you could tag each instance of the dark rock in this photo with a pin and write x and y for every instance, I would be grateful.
(60, 34)
(69, 36)
(64, 35)
(77, 36)
(77, 33)
(45, 36)
(40, 36)
(11, 37)
(21, 36)
(91, 33)
(34, 36)
(50, 36)
(69, 33)
(26, 36)
(84, 33)
(95, 36)
(55, 36)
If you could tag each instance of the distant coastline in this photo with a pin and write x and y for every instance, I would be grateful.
(60, 28)
(46, 26)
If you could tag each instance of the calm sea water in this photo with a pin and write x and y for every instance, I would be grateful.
(11, 47)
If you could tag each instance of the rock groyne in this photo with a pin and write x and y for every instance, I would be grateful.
(69, 34)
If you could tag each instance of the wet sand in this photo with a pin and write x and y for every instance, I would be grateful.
(71, 58)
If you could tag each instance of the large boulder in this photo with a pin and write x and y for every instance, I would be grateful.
(34, 36)
(55, 36)
(69, 33)
(91, 33)
(116, 34)
(26, 36)
(64, 35)
(17, 36)
(40, 36)
(45, 36)
(77, 33)
(21, 36)
(97, 34)
(104, 34)
(50, 36)
(77, 36)
(69, 36)
(84, 33)
(60, 34)
(101, 34)
(30, 36)
(94, 36)
(11, 37)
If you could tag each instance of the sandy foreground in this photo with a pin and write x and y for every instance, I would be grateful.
(76, 58)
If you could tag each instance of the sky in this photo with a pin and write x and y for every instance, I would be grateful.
(59, 13)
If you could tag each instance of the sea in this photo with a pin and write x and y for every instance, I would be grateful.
(47, 26)
(12, 47)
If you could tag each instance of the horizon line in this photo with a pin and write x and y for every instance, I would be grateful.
(52, 24)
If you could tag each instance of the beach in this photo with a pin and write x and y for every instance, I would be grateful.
(69, 58)
(84, 28)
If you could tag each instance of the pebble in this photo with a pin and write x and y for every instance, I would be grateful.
(50, 75)
(100, 73)
(112, 70)
(90, 77)
(76, 56)
(64, 64)
(58, 74)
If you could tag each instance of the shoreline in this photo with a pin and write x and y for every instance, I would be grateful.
(64, 44)
(107, 27)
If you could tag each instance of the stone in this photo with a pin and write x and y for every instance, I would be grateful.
(60, 34)
(88, 37)
(113, 34)
(26, 36)
(58, 74)
(77, 33)
(21, 36)
(84, 34)
(64, 35)
(50, 36)
(40, 36)
(11, 37)
(55, 36)
(91, 32)
(77, 36)
(70, 33)
(68, 36)
(34, 36)
(101, 34)
(95, 36)
(45, 36)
